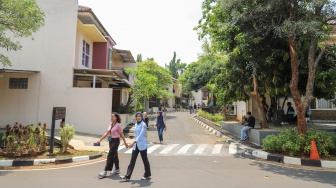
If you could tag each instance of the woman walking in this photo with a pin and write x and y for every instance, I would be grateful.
(161, 125)
(114, 132)
(139, 145)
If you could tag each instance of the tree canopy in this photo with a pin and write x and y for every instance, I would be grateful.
(18, 18)
(255, 36)
(150, 80)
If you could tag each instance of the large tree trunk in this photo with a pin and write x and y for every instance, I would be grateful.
(302, 103)
(255, 95)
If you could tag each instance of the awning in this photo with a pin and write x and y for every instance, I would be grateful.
(116, 77)
(125, 56)
(17, 71)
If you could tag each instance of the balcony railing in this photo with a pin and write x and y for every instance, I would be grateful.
(122, 70)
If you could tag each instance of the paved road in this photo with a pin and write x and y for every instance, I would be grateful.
(201, 165)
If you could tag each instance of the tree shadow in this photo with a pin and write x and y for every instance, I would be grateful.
(321, 175)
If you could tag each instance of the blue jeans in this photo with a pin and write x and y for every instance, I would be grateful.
(243, 132)
(160, 131)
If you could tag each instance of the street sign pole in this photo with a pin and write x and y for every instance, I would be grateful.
(58, 113)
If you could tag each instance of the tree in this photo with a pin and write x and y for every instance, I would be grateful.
(19, 18)
(139, 58)
(150, 80)
(252, 34)
(306, 20)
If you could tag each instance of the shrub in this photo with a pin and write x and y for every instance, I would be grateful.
(289, 142)
(67, 133)
(212, 117)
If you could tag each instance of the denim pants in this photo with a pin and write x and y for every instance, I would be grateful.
(145, 161)
(160, 131)
(243, 132)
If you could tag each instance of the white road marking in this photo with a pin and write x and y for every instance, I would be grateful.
(184, 149)
(200, 149)
(168, 148)
(233, 149)
(151, 149)
(217, 149)
(121, 147)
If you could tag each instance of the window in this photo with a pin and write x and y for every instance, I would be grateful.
(110, 59)
(86, 54)
(18, 83)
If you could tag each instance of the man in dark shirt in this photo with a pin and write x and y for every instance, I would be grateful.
(249, 124)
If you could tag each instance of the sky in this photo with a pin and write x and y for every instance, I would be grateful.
(152, 28)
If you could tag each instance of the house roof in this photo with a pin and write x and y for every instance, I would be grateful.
(125, 56)
(87, 16)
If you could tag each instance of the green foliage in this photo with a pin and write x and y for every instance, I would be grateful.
(150, 80)
(289, 142)
(67, 133)
(19, 18)
(217, 118)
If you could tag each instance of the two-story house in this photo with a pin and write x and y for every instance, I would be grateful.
(72, 62)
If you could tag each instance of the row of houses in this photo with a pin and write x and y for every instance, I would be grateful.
(72, 62)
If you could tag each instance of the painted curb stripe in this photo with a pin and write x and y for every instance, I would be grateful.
(80, 158)
(328, 164)
(292, 160)
(200, 149)
(275, 157)
(66, 160)
(6, 162)
(23, 162)
(43, 161)
(308, 162)
(95, 156)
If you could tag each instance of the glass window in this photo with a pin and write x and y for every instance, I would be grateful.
(110, 59)
(18, 83)
(86, 54)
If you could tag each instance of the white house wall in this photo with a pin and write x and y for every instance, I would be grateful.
(89, 116)
(241, 109)
(197, 97)
(52, 53)
(16, 103)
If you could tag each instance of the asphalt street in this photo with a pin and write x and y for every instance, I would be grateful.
(169, 169)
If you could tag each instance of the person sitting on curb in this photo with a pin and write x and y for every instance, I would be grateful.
(249, 124)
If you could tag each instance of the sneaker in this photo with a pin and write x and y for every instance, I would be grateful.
(116, 171)
(102, 174)
(145, 178)
(124, 178)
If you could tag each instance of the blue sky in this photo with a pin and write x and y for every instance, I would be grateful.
(153, 28)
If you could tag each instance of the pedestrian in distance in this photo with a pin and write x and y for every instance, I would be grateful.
(114, 132)
(146, 120)
(160, 124)
(139, 146)
(249, 124)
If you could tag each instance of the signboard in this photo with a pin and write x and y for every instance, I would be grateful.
(59, 113)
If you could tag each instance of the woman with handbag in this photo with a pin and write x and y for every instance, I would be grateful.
(113, 133)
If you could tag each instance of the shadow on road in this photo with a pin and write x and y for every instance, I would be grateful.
(327, 176)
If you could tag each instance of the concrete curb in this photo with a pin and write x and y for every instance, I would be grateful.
(269, 156)
(37, 162)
